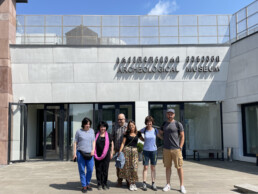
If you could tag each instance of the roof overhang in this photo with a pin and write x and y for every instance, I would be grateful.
(21, 1)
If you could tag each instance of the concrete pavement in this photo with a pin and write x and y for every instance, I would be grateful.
(206, 176)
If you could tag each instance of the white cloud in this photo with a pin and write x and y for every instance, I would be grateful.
(164, 7)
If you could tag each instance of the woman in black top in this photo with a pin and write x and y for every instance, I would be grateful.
(129, 147)
(103, 154)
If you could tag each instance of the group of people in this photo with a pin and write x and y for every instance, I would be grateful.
(99, 148)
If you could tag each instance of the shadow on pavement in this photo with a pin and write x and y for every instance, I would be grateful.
(239, 166)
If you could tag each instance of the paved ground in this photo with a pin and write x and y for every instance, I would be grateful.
(206, 176)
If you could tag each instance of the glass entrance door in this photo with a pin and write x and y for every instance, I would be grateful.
(158, 112)
(109, 113)
(17, 136)
(55, 136)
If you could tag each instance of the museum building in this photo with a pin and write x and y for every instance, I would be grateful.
(58, 69)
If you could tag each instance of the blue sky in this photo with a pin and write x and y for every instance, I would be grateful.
(131, 7)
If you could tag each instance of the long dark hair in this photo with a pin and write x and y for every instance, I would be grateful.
(128, 131)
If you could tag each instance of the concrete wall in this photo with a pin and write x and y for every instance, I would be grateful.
(49, 74)
(241, 88)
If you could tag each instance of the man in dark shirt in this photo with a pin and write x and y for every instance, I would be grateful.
(172, 132)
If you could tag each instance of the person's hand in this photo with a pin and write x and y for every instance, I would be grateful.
(74, 156)
(118, 154)
(92, 153)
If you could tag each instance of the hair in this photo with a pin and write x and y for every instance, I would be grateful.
(102, 123)
(85, 121)
(128, 131)
(149, 119)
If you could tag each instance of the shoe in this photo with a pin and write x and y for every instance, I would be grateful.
(153, 187)
(131, 188)
(104, 187)
(84, 189)
(166, 188)
(144, 186)
(134, 187)
(182, 189)
(99, 187)
(89, 188)
(119, 183)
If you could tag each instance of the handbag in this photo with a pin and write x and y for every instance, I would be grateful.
(86, 156)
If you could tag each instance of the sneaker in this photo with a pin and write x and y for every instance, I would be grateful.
(134, 187)
(182, 189)
(84, 189)
(144, 186)
(131, 187)
(166, 188)
(153, 187)
(89, 188)
(104, 187)
(99, 187)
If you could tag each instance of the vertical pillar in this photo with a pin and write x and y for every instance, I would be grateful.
(7, 37)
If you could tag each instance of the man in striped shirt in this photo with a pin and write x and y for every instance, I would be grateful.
(117, 134)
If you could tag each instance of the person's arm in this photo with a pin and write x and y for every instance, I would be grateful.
(93, 148)
(74, 150)
(160, 134)
(182, 139)
(122, 145)
(111, 151)
(140, 135)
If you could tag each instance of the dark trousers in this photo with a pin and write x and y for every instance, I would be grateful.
(101, 167)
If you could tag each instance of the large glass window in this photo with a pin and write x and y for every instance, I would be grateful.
(201, 121)
(250, 129)
(202, 127)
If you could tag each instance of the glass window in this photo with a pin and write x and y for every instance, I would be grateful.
(53, 20)
(208, 40)
(223, 30)
(199, 134)
(188, 31)
(149, 31)
(187, 20)
(110, 21)
(20, 20)
(233, 27)
(250, 129)
(207, 20)
(188, 40)
(110, 31)
(35, 20)
(53, 31)
(168, 31)
(129, 31)
(129, 20)
(207, 31)
(241, 15)
(223, 20)
(92, 20)
(168, 20)
(252, 20)
(72, 20)
(241, 26)
(168, 40)
(152, 40)
(77, 112)
(251, 9)
(149, 20)
(129, 41)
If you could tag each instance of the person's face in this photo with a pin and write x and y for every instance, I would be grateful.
(132, 127)
(170, 116)
(149, 124)
(87, 126)
(102, 129)
(121, 120)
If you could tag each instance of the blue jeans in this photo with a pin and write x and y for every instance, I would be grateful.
(82, 163)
